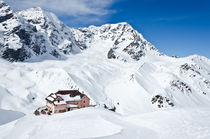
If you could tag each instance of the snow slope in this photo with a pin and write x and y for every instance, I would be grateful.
(155, 96)
(8, 116)
(101, 124)
(108, 81)
(129, 86)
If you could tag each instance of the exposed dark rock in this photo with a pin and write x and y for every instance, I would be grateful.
(5, 12)
(187, 67)
(15, 29)
(161, 101)
(111, 54)
(68, 49)
(55, 54)
(116, 42)
(81, 45)
(15, 55)
(24, 36)
(181, 86)
(135, 50)
(207, 82)
(175, 56)
(6, 17)
(111, 109)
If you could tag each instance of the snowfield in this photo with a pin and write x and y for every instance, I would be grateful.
(8, 116)
(128, 86)
(102, 124)
(155, 96)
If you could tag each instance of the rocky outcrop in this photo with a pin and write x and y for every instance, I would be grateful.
(181, 86)
(161, 101)
(36, 32)
(5, 12)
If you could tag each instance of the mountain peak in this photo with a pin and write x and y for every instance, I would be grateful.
(37, 8)
(40, 32)
(123, 23)
(119, 25)
(33, 12)
(5, 11)
(1, 1)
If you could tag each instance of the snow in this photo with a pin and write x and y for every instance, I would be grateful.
(64, 97)
(76, 98)
(7, 116)
(53, 95)
(71, 106)
(59, 102)
(68, 125)
(129, 86)
(179, 123)
(68, 98)
(50, 98)
(5, 9)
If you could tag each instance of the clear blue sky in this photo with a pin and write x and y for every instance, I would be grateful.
(175, 27)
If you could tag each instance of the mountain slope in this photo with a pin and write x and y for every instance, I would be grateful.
(58, 34)
(128, 86)
(113, 64)
(32, 33)
(106, 59)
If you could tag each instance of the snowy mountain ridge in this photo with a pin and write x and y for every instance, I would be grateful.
(34, 32)
(156, 96)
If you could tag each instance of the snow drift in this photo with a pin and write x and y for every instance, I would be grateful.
(113, 64)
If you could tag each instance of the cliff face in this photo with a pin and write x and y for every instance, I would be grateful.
(25, 36)
(35, 33)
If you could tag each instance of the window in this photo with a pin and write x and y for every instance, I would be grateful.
(83, 101)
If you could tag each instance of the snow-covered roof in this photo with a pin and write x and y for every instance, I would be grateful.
(76, 98)
(71, 106)
(65, 98)
(53, 95)
(50, 98)
(69, 98)
(59, 102)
